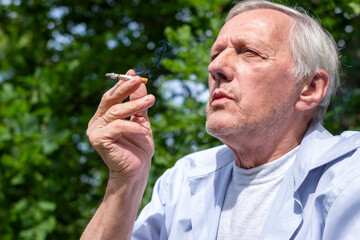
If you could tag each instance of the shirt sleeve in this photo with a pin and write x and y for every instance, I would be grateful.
(150, 224)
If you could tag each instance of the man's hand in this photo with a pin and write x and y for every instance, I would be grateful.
(126, 146)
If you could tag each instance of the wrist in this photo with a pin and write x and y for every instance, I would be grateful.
(130, 175)
(131, 187)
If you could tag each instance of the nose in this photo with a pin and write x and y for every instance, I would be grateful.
(221, 68)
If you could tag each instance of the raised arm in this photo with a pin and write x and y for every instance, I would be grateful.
(126, 146)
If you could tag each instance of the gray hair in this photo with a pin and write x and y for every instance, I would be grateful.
(313, 48)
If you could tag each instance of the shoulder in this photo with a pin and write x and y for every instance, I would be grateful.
(339, 198)
(340, 173)
(338, 156)
(327, 164)
(343, 155)
(337, 169)
(319, 147)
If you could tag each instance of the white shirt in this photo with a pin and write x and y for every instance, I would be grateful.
(249, 197)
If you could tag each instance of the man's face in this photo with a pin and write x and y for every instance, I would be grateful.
(250, 80)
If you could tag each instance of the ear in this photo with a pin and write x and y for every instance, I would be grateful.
(313, 91)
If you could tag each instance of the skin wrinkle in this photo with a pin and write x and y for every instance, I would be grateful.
(263, 90)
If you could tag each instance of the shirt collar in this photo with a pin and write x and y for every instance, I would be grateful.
(320, 147)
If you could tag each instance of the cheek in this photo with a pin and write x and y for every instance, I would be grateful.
(262, 97)
(269, 80)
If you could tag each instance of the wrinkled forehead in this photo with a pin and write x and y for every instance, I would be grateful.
(267, 23)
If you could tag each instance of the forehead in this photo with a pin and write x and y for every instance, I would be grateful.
(265, 26)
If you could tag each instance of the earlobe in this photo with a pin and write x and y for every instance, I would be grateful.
(313, 91)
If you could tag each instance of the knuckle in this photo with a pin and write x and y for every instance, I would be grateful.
(138, 104)
(118, 125)
(120, 92)
(114, 111)
(133, 106)
(92, 136)
(105, 97)
(94, 141)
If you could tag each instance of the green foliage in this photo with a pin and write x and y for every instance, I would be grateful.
(53, 56)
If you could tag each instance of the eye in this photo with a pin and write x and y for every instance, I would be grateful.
(248, 50)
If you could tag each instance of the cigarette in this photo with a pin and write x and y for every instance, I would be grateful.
(123, 77)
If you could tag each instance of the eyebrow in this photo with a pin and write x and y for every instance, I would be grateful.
(237, 41)
(217, 46)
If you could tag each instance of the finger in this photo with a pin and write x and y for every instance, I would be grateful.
(116, 130)
(119, 92)
(142, 143)
(127, 109)
(131, 72)
(139, 93)
(125, 133)
(116, 95)
(120, 127)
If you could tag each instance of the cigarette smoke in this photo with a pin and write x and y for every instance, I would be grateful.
(151, 68)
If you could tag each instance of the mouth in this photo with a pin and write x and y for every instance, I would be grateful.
(220, 97)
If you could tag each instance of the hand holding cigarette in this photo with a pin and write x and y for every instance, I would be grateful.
(123, 77)
(126, 146)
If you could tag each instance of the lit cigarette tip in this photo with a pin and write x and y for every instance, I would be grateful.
(123, 77)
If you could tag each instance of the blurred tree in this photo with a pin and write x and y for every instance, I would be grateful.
(53, 57)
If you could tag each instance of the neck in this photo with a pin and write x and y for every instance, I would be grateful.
(263, 145)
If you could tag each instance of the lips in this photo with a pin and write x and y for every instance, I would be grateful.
(219, 96)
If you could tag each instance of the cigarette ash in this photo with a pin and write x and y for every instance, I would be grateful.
(111, 75)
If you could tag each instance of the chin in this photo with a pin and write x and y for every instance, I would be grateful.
(224, 123)
(219, 130)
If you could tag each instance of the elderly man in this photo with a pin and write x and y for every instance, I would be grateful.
(280, 174)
